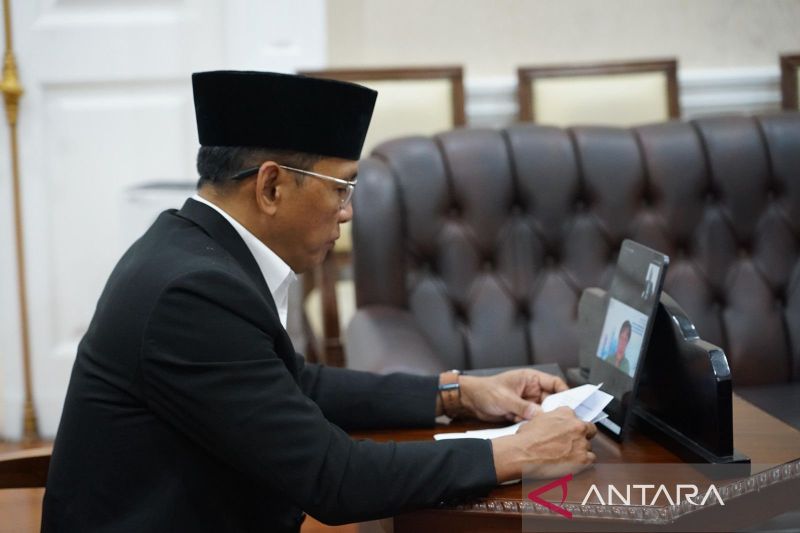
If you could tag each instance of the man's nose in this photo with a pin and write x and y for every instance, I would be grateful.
(346, 214)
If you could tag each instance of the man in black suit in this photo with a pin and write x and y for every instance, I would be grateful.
(188, 409)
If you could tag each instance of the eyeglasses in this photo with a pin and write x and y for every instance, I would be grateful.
(345, 192)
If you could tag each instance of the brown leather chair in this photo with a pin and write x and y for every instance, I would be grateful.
(790, 82)
(472, 247)
(610, 93)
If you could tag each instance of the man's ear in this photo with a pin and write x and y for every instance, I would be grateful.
(268, 190)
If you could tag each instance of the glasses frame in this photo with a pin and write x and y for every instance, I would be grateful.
(350, 186)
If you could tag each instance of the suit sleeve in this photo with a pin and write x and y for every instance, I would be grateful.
(209, 370)
(353, 399)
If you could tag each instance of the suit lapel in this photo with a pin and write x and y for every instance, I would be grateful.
(221, 231)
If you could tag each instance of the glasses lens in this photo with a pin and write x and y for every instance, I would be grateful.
(347, 196)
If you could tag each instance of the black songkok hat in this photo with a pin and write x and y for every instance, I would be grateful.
(281, 111)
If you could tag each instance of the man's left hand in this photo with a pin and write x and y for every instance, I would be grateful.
(512, 396)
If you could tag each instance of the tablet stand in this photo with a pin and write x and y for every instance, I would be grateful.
(684, 395)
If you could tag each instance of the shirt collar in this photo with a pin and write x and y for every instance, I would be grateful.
(276, 272)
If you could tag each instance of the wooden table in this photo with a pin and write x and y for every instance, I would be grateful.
(772, 488)
(765, 439)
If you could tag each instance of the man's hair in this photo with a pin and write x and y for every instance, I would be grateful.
(625, 325)
(217, 164)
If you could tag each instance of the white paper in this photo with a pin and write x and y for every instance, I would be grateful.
(588, 402)
(571, 398)
(492, 433)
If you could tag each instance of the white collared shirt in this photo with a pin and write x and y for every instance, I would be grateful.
(276, 272)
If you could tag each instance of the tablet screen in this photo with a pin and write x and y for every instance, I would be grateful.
(632, 300)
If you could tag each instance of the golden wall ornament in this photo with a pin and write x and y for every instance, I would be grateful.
(10, 87)
(12, 92)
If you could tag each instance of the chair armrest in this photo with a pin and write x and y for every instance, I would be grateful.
(25, 468)
(386, 339)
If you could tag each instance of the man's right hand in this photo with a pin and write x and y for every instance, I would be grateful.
(550, 445)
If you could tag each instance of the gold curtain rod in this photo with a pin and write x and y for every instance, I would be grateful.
(12, 92)
(7, 21)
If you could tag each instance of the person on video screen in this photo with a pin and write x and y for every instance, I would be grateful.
(617, 358)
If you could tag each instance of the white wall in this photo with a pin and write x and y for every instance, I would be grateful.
(108, 106)
(494, 37)
(727, 49)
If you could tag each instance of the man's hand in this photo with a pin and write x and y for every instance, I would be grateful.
(550, 445)
(512, 396)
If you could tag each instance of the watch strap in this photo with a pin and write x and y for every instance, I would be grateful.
(450, 392)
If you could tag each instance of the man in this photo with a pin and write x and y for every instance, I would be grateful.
(188, 409)
(617, 358)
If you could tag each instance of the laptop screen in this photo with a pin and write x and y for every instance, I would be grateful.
(632, 300)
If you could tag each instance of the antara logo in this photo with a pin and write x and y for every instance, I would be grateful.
(614, 496)
(534, 495)
(682, 493)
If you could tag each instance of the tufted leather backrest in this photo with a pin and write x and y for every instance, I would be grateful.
(488, 237)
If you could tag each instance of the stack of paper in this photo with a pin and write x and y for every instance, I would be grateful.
(588, 402)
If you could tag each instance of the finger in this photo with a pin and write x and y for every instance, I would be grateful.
(591, 430)
(551, 383)
(510, 402)
(546, 384)
(530, 387)
(518, 419)
(524, 409)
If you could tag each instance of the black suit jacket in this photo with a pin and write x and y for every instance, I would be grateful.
(188, 409)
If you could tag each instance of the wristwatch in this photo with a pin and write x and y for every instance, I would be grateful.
(450, 392)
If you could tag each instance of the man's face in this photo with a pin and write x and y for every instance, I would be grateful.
(310, 213)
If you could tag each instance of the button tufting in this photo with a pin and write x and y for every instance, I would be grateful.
(780, 298)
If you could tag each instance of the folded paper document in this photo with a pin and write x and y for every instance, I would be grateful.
(588, 402)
